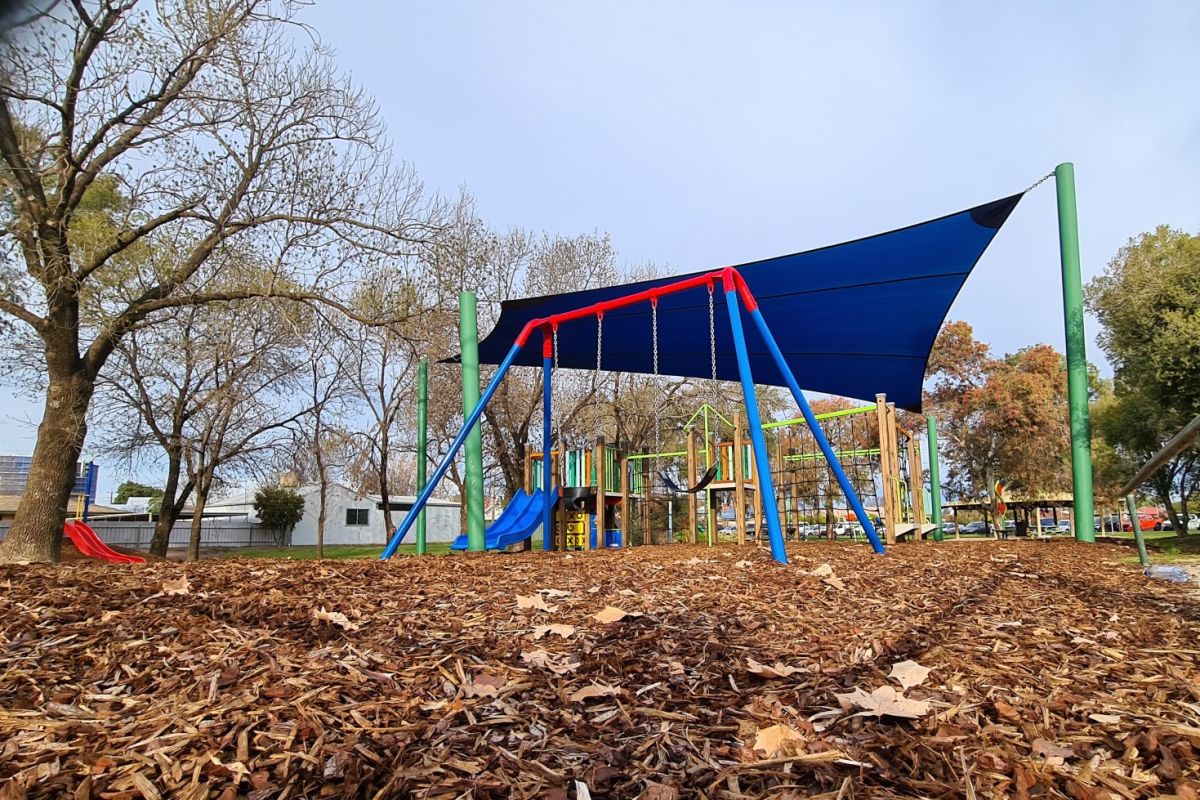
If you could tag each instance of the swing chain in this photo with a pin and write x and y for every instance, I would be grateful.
(657, 406)
(557, 414)
(596, 376)
(712, 345)
(654, 336)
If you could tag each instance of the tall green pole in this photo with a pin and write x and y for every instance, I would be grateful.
(1077, 381)
(468, 342)
(422, 444)
(935, 476)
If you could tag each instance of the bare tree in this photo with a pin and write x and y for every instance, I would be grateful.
(327, 388)
(218, 132)
(211, 391)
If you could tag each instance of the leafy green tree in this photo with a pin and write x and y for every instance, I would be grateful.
(1148, 304)
(280, 508)
(130, 489)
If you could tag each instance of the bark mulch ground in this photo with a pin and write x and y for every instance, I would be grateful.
(1010, 669)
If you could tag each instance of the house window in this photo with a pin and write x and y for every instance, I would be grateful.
(356, 516)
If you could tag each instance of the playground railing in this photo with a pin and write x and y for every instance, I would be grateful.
(1178, 443)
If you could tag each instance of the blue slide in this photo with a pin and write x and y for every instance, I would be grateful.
(516, 523)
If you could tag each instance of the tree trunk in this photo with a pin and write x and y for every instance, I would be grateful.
(829, 532)
(36, 532)
(383, 480)
(193, 553)
(1173, 515)
(172, 506)
(321, 518)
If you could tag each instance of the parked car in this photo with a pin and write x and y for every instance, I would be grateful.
(1193, 523)
(851, 529)
(949, 528)
(975, 527)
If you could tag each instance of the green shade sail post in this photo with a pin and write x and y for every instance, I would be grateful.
(422, 444)
(1138, 536)
(468, 342)
(935, 477)
(1077, 379)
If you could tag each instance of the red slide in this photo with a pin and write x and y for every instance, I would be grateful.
(88, 543)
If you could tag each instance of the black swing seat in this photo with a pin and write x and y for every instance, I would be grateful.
(705, 480)
(576, 498)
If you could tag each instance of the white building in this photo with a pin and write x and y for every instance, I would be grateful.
(350, 518)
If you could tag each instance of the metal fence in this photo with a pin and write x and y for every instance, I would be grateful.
(213, 533)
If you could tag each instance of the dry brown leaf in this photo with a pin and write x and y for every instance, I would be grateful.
(178, 586)
(883, 702)
(595, 690)
(1007, 711)
(558, 664)
(658, 791)
(744, 564)
(556, 629)
(535, 602)
(908, 674)
(823, 571)
(611, 614)
(487, 685)
(335, 617)
(1105, 719)
(778, 740)
(554, 592)
(1048, 750)
(776, 670)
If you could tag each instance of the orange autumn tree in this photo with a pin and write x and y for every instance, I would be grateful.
(1000, 418)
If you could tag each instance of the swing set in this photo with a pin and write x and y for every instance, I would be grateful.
(737, 295)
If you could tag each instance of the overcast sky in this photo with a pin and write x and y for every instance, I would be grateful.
(700, 134)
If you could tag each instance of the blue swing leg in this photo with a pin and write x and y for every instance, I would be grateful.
(411, 517)
(762, 464)
(818, 434)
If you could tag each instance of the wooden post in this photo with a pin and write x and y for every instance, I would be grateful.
(894, 429)
(529, 472)
(598, 460)
(624, 501)
(794, 474)
(888, 468)
(781, 469)
(691, 503)
(647, 538)
(739, 479)
(560, 534)
(758, 500)
(916, 479)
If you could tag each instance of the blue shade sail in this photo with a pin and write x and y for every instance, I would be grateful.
(852, 319)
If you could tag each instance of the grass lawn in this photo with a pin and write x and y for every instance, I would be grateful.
(339, 551)
(1161, 545)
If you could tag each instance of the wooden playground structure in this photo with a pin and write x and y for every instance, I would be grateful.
(882, 458)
